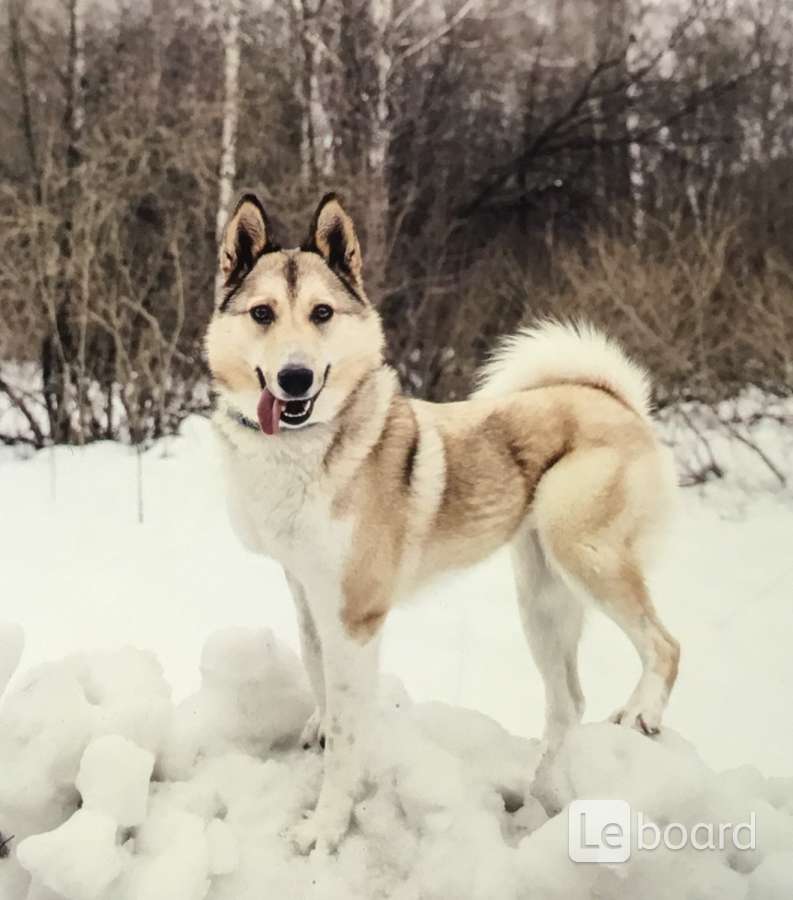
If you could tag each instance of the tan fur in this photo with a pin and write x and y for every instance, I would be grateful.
(376, 493)
(495, 456)
(381, 498)
(494, 453)
(507, 462)
(235, 344)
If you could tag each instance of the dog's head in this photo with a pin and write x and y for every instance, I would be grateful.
(293, 332)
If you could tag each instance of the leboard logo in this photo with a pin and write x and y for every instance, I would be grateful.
(607, 831)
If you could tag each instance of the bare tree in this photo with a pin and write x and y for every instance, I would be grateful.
(502, 158)
(230, 25)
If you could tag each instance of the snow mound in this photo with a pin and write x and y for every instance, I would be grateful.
(12, 643)
(114, 778)
(254, 694)
(113, 792)
(79, 859)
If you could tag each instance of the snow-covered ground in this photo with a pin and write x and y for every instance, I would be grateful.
(85, 578)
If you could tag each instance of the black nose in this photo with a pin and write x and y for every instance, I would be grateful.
(295, 380)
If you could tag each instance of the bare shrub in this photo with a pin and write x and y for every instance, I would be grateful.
(504, 160)
(108, 321)
(704, 312)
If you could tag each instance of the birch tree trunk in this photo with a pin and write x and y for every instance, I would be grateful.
(307, 86)
(389, 52)
(701, 158)
(78, 69)
(228, 140)
(377, 157)
(316, 137)
(636, 169)
(598, 50)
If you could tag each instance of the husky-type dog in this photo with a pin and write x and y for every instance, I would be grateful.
(362, 494)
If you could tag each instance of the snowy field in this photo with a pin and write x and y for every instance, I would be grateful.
(86, 723)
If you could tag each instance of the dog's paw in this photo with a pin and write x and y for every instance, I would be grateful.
(548, 786)
(547, 795)
(317, 834)
(646, 721)
(313, 733)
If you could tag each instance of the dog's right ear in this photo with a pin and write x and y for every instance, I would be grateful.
(247, 236)
(332, 235)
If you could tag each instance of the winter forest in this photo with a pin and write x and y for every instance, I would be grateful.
(627, 160)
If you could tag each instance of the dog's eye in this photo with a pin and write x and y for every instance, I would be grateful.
(263, 314)
(321, 313)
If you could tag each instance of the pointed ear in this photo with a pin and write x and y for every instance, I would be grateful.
(246, 237)
(333, 236)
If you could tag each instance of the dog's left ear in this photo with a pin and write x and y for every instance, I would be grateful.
(333, 236)
(246, 237)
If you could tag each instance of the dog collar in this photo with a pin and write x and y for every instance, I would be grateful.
(240, 419)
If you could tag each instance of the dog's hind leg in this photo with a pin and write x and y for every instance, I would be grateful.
(311, 653)
(589, 530)
(552, 616)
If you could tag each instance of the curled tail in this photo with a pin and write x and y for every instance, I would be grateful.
(553, 353)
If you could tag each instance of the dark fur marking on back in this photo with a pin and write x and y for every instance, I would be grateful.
(514, 450)
(382, 439)
(592, 384)
(554, 458)
(409, 463)
(341, 433)
(530, 474)
(332, 447)
(546, 467)
(607, 389)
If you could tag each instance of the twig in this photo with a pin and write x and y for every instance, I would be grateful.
(19, 404)
(5, 849)
(734, 432)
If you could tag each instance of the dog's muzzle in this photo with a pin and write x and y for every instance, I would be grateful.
(273, 412)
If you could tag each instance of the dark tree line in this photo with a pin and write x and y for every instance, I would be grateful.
(625, 160)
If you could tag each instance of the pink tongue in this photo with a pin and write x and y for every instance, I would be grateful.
(269, 412)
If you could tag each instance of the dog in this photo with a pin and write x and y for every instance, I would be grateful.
(363, 494)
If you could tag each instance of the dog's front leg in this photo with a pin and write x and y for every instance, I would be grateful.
(350, 668)
(311, 652)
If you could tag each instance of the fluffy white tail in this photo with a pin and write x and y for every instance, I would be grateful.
(565, 353)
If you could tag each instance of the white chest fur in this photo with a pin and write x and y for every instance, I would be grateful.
(281, 492)
(278, 502)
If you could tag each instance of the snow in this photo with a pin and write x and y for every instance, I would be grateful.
(12, 643)
(771, 879)
(446, 811)
(217, 703)
(254, 692)
(223, 850)
(79, 859)
(114, 779)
